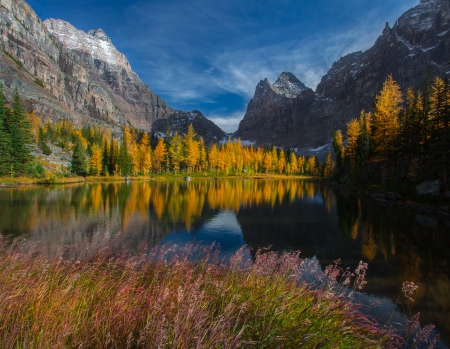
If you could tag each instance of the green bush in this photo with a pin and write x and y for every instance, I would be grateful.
(35, 170)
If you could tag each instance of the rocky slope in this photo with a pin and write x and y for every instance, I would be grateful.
(419, 42)
(124, 91)
(179, 122)
(290, 116)
(65, 73)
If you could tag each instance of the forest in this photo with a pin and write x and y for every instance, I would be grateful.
(406, 138)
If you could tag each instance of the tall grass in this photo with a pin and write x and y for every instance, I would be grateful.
(164, 299)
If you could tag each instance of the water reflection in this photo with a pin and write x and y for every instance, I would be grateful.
(286, 214)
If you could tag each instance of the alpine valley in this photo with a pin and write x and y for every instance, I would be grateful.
(290, 115)
(64, 73)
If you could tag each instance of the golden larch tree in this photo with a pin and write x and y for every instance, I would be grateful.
(145, 155)
(176, 152)
(95, 162)
(159, 155)
(351, 151)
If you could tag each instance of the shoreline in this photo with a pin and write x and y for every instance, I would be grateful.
(389, 197)
(23, 181)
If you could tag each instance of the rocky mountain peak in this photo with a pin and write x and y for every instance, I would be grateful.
(95, 43)
(99, 34)
(288, 84)
(263, 87)
(387, 30)
(286, 76)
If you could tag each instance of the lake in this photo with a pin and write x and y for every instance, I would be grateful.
(287, 215)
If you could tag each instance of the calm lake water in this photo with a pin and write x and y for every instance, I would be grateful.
(286, 214)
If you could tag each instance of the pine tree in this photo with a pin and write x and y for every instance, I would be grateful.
(5, 139)
(79, 162)
(19, 128)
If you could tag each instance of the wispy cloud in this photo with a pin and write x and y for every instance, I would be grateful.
(198, 50)
(228, 122)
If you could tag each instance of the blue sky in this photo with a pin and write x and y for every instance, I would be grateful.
(209, 55)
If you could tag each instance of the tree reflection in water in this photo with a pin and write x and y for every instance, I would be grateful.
(284, 214)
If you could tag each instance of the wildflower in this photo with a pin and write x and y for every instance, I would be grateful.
(360, 273)
(408, 289)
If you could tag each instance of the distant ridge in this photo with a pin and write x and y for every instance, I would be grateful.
(418, 44)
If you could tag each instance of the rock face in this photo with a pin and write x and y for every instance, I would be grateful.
(179, 122)
(125, 92)
(419, 42)
(65, 73)
(287, 113)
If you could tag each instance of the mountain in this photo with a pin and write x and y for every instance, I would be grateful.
(179, 122)
(64, 73)
(417, 44)
(287, 114)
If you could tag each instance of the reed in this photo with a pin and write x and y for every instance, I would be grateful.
(169, 298)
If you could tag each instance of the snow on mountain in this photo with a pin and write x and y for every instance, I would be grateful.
(289, 85)
(95, 43)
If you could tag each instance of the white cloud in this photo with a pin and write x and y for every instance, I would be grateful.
(228, 123)
(194, 72)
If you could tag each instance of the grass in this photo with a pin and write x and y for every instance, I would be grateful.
(164, 299)
(18, 181)
(55, 179)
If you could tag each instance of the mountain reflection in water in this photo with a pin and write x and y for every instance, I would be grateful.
(285, 214)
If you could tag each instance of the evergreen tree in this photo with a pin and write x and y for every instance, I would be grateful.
(79, 161)
(5, 139)
(19, 128)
